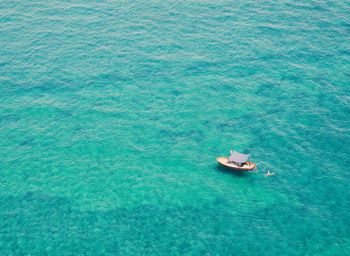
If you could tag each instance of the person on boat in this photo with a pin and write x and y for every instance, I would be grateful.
(269, 173)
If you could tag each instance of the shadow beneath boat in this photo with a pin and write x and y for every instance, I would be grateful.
(228, 171)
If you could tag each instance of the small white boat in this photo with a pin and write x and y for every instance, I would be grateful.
(236, 161)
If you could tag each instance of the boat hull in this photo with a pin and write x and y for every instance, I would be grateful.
(248, 166)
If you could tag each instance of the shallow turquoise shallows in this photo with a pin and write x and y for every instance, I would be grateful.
(112, 114)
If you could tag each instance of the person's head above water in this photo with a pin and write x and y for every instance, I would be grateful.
(268, 173)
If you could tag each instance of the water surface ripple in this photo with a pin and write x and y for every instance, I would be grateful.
(112, 114)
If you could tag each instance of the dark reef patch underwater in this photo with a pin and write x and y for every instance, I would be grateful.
(112, 114)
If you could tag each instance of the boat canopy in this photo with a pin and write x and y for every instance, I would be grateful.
(238, 157)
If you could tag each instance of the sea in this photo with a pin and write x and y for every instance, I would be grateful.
(112, 114)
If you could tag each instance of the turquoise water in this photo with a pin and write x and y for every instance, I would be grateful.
(112, 114)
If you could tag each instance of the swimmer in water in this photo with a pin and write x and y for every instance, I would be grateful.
(269, 173)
